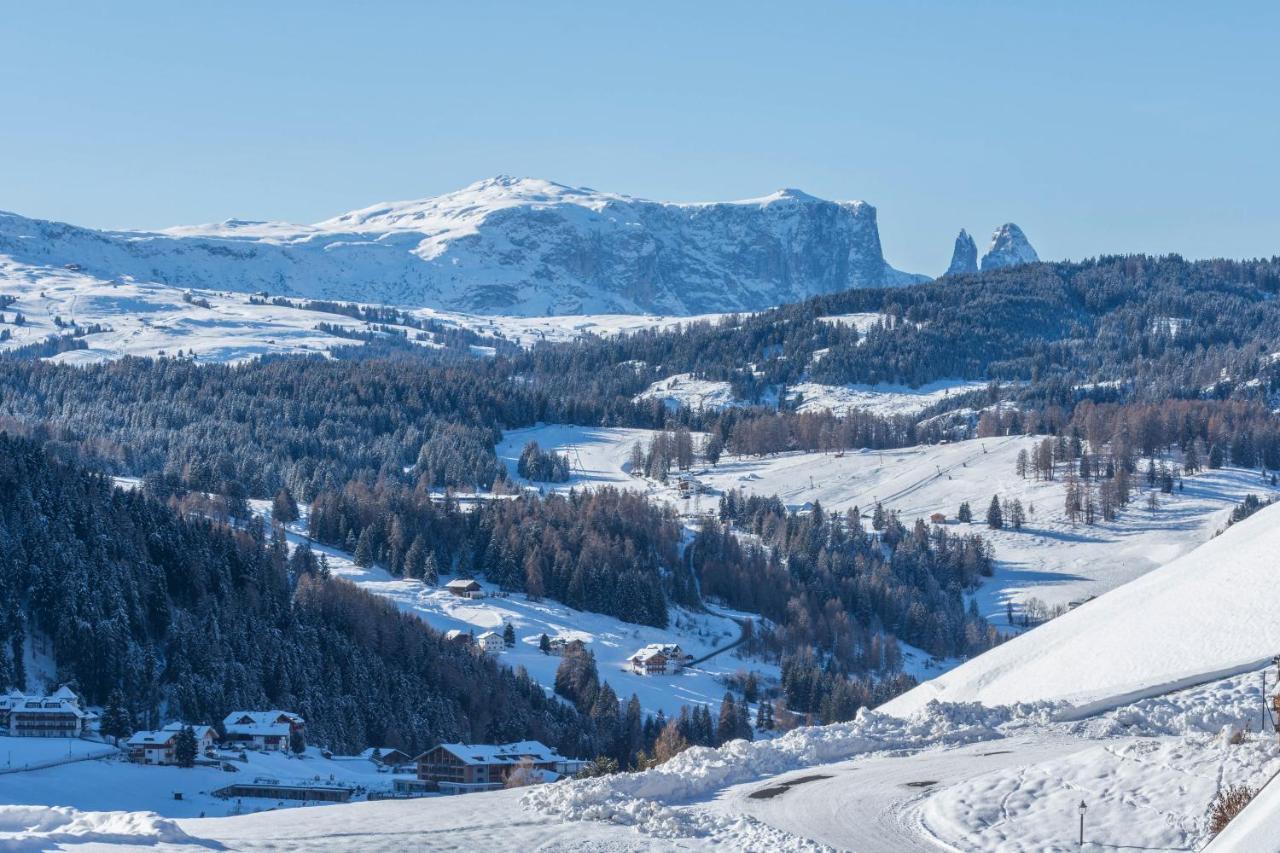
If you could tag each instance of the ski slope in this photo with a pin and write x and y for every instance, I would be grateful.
(1206, 615)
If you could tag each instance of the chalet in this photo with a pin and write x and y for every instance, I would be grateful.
(153, 747)
(648, 661)
(556, 646)
(160, 747)
(658, 659)
(491, 643)
(938, 518)
(56, 715)
(270, 730)
(465, 588)
(458, 768)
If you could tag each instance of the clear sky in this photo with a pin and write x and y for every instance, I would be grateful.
(1098, 127)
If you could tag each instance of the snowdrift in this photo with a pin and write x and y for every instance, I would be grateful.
(1209, 614)
(39, 828)
(646, 800)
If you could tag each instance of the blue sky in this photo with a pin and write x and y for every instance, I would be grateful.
(1098, 127)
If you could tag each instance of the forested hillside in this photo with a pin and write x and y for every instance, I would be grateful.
(606, 551)
(1163, 326)
(191, 620)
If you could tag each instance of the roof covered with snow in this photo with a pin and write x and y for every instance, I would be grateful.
(268, 723)
(154, 739)
(502, 753)
(462, 583)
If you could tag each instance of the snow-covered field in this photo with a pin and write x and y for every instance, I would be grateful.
(113, 784)
(1050, 559)
(19, 753)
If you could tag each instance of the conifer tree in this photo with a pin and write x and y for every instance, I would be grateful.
(284, 508)
(995, 517)
(727, 724)
(363, 556)
(185, 747)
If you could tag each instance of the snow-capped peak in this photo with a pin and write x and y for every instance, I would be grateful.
(1009, 247)
(475, 200)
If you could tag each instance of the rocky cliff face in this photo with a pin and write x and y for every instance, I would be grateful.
(1009, 247)
(506, 246)
(964, 257)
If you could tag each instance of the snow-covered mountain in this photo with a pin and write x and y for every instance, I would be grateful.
(1009, 247)
(964, 257)
(515, 246)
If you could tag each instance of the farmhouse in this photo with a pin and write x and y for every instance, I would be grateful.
(465, 588)
(454, 635)
(263, 729)
(491, 643)
(458, 768)
(657, 659)
(56, 715)
(938, 518)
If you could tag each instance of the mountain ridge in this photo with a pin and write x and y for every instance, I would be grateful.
(505, 245)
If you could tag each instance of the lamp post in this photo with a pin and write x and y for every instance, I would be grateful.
(1081, 808)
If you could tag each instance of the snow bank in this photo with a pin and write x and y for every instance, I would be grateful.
(1204, 616)
(35, 828)
(645, 800)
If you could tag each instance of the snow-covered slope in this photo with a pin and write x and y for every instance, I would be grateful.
(1009, 247)
(683, 389)
(138, 318)
(504, 246)
(1207, 614)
